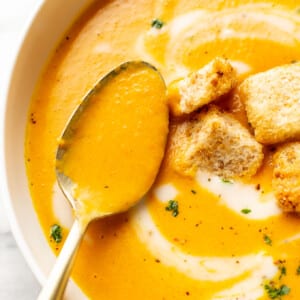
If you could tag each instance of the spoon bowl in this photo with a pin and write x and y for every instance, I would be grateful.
(109, 154)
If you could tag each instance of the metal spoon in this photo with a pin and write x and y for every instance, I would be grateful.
(57, 281)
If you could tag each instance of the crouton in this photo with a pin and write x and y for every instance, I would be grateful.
(272, 102)
(202, 87)
(286, 177)
(215, 142)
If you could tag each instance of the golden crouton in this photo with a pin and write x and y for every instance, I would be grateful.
(272, 101)
(202, 87)
(286, 177)
(215, 142)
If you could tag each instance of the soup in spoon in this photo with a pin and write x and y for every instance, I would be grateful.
(113, 147)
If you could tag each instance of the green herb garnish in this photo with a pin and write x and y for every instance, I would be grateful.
(246, 211)
(157, 23)
(225, 180)
(282, 270)
(298, 271)
(56, 233)
(267, 240)
(276, 293)
(173, 207)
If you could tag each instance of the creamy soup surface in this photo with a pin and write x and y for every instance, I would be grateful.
(227, 239)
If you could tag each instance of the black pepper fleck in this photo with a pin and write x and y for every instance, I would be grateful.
(32, 118)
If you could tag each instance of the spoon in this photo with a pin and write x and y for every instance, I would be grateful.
(109, 154)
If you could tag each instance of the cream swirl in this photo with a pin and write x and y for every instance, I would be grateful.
(188, 32)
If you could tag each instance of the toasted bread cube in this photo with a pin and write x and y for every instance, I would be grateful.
(215, 142)
(202, 87)
(272, 102)
(286, 177)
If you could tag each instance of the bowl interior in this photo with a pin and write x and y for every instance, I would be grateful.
(46, 28)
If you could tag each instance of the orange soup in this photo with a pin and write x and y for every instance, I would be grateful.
(103, 181)
(190, 238)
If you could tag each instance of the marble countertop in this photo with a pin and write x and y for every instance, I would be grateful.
(16, 279)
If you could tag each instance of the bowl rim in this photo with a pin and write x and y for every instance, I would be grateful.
(4, 188)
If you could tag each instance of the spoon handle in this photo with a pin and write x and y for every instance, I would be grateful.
(57, 281)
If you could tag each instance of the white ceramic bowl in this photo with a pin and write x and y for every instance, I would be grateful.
(47, 26)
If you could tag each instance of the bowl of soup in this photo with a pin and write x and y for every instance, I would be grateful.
(200, 235)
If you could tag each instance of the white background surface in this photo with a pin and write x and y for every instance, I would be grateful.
(16, 280)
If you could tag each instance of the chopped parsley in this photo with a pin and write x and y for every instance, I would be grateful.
(173, 207)
(267, 240)
(246, 211)
(157, 23)
(193, 192)
(56, 233)
(276, 293)
(282, 270)
(298, 271)
(225, 180)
